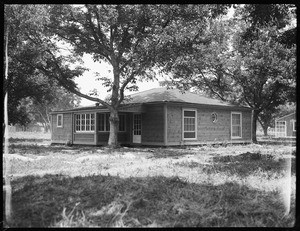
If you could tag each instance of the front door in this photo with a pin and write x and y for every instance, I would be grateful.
(137, 128)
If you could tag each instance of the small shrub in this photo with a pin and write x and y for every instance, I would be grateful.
(69, 143)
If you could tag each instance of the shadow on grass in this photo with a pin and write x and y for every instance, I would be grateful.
(244, 164)
(36, 149)
(247, 163)
(36, 140)
(174, 153)
(42, 149)
(108, 201)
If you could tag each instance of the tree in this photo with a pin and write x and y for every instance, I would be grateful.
(279, 16)
(131, 38)
(267, 117)
(259, 72)
(59, 99)
(22, 80)
(33, 16)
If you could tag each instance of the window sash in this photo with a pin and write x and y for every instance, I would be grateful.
(85, 122)
(137, 124)
(189, 124)
(236, 125)
(59, 120)
(104, 125)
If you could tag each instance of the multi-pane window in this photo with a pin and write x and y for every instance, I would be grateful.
(60, 120)
(189, 124)
(104, 126)
(236, 125)
(137, 124)
(85, 122)
(280, 129)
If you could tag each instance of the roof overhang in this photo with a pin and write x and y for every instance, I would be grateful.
(285, 116)
(137, 108)
(185, 104)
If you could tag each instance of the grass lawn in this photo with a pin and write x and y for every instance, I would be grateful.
(226, 186)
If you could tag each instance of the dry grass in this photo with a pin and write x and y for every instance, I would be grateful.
(232, 186)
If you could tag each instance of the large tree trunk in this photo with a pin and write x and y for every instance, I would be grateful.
(254, 125)
(114, 127)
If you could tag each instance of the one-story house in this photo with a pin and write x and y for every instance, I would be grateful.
(285, 126)
(160, 116)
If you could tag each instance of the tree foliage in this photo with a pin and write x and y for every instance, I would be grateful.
(25, 83)
(133, 39)
(259, 72)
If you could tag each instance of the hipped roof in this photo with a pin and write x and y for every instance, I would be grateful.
(174, 95)
(163, 95)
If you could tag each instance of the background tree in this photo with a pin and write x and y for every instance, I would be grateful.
(24, 14)
(59, 99)
(22, 80)
(128, 37)
(267, 117)
(256, 71)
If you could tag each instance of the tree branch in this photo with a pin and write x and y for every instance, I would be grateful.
(209, 86)
(130, 78)
(100, 33)
(63, 84)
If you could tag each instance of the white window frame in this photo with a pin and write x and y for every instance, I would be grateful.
(276, 129)
(62, 120)
(294, 125)
(183, 117)
(241, 125)
(85, 125)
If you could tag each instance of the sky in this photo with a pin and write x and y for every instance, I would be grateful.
(87, 82)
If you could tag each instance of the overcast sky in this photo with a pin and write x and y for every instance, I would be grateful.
(87, 82)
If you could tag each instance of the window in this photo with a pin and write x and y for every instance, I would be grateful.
(189, 124)
(103, 122)
(104, 126)
(122, 123)
(280, 129)
(60, 120)
(294, 125)
(137, 124)
(236, 125)
(214, 117)
(85, 122)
